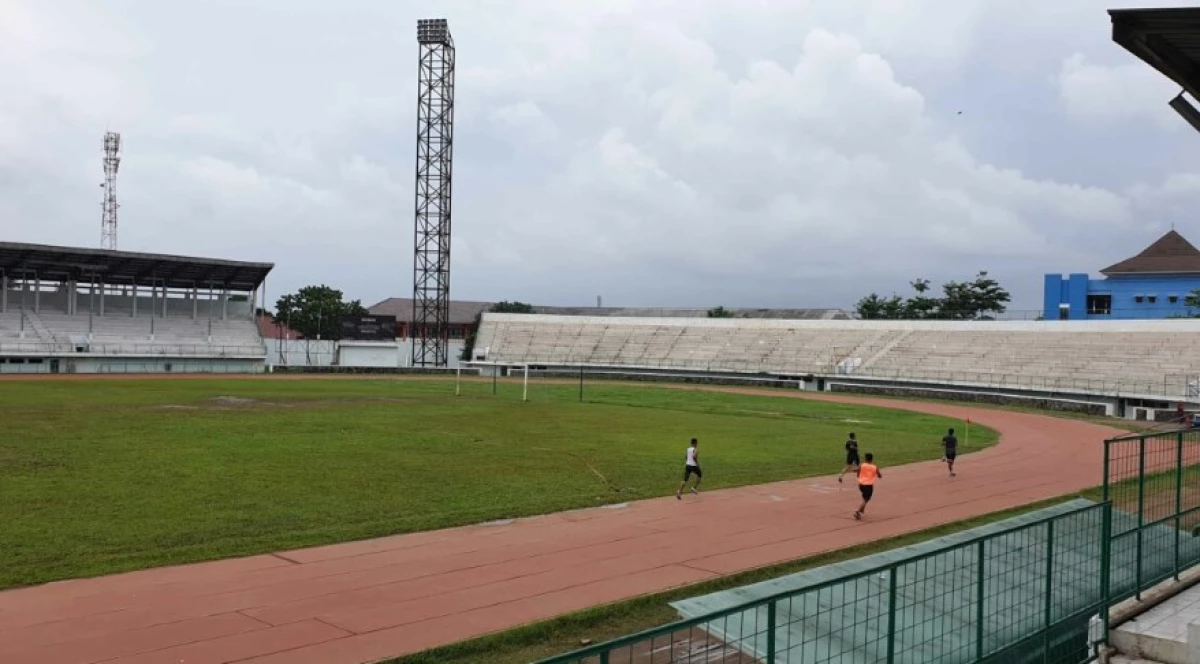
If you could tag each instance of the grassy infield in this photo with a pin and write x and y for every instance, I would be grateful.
(100, 477)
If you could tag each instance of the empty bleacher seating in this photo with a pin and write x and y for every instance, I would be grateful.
(1148, 358)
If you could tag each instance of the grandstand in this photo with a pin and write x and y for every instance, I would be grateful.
(1127, 366)
(73, 310)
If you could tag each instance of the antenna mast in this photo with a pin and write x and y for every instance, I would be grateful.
(108, 218)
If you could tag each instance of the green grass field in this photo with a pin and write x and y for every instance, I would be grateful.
(104, 476)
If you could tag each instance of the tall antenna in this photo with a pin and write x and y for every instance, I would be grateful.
(108, 218)
(435, 138)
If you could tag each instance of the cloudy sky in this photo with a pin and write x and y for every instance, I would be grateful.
(692, 153)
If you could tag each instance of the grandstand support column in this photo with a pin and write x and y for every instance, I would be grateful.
(434, 167)
(37, 294)
(72, 305)
(3, 294)
(195, 301)
(225, 304)
(133, 300)
(164, 300)
(91, 307)
(102, 290)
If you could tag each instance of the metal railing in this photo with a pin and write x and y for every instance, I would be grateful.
(998, 597)
(1155, 479)
(67, 349)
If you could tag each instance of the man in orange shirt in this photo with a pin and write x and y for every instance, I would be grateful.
(868, 472)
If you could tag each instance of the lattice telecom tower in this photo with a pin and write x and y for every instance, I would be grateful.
(108, 217)
(435, 154)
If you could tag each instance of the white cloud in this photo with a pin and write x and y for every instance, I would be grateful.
(662, 152)
(1129, 92)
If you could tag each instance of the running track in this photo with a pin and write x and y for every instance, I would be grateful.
(364, 601)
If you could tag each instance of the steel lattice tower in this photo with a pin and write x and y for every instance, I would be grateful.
(435, 140)
(108, 206)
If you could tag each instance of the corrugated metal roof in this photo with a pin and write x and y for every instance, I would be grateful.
(127, 267)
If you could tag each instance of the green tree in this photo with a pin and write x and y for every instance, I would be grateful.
(316, 312)
(873, 307)
(921, 306)
(966, 300)
(504, 307)
(720, 312)
(970, 300)
(1192, 301)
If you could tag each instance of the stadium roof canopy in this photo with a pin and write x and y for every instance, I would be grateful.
(126, 267)
(1166, 39)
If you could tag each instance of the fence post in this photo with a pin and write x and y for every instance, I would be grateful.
(1178, 496)
(980, 588)
(771, 632)
(891, 623)
(581, 383)
(1049, 588)
(1105, 566)
(1107, 450)
(525, 389)
(495, 373)
(457, 381)
(1141, 513)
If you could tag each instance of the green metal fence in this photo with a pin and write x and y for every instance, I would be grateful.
(1155, 480)
(1028, 593)
(968, 602)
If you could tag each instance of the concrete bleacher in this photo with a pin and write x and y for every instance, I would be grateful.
(123, 326)
(1145, 358)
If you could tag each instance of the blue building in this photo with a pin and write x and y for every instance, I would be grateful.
(1152, 284)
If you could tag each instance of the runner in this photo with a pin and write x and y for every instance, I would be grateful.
(692, 467)
(950, 450)
(851, 456)
(867, 474)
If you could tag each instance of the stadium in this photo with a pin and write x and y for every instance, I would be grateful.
(521, 503)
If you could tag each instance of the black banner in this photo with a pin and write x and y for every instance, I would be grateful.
(369, 328)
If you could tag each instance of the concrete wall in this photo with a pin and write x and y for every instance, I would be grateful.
(369, 354)
(306, 353)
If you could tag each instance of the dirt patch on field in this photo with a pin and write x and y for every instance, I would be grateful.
(233, 401)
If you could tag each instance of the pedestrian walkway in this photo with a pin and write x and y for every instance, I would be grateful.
(364, 601)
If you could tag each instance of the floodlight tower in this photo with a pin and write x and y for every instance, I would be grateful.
(108, 206)
(435, 139)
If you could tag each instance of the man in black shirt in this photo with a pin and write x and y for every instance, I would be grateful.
(950, 450)
(852, 461)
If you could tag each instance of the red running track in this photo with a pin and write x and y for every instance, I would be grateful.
(364, 601)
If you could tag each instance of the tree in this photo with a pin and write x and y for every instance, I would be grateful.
(514, 307)
(873, 307)
(921, 306)
(1192, 300)
(316, 312)
(720, 312)
(966, 300)
(504, 307)
(970, 300)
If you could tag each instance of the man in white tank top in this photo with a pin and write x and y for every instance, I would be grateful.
(691, 467)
